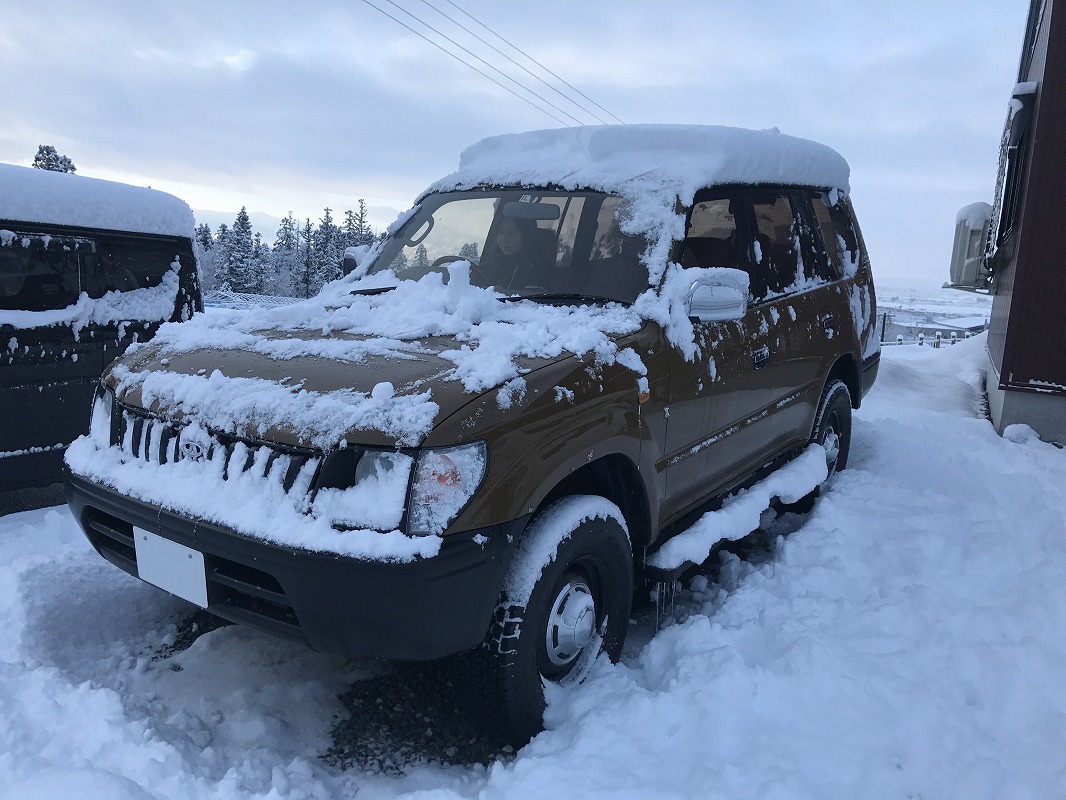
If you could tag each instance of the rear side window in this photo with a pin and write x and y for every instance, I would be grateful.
(39, 272)
(789, 256)
(840, 240)
(123, 266)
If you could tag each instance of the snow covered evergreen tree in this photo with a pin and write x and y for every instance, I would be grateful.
(285, 257)
(469, 252)
(327, 252)
(47, 158)
(261, 270)
(421, 259)
(305, 276)
(236, 267)
(206, 254)
(221, 249)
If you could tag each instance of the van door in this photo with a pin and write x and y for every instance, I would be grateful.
(714, 397)
(800, 316)
(56, 339)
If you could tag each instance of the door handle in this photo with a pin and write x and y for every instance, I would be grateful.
(761, 357)
(829, 325)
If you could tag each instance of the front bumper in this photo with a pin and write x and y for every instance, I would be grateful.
(418, 610)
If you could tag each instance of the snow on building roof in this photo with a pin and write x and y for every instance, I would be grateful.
(975, 215)
(620, 158)
(57, 198)
(961, 323)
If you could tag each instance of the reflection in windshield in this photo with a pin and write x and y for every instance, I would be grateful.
(566, 245)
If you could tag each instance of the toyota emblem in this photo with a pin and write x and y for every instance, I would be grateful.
(193, 451)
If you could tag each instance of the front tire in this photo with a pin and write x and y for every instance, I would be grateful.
(565, 600)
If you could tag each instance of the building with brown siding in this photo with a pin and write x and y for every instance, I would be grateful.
(1027, 239)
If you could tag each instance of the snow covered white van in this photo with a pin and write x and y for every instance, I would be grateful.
(510, 412)
(86, 267)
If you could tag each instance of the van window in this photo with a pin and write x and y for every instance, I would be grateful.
(123, 266)
(38, 271)
(789, 256)
(841, 243)
(714, 237)
(776, 243)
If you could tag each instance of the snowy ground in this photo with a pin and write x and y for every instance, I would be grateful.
(904, 641)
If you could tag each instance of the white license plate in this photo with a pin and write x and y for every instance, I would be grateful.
(171, 566)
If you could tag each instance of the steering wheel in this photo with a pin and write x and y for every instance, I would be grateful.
(440, 262)
(477, 274)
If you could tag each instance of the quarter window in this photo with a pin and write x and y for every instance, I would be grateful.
(840, 241)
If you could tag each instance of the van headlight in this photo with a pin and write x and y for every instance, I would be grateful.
(102, 420)
(445, 478)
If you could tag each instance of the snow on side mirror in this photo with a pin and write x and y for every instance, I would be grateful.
(711, 301)
(354, 257)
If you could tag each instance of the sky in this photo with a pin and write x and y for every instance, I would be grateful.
(281, 107)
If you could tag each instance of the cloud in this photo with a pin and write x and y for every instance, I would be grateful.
(293, 108)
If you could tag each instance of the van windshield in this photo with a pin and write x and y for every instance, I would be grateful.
(523, 243)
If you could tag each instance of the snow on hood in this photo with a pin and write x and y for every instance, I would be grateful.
(57, 198)
(477, 342)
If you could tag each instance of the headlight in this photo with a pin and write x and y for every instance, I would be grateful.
(444, 481)
(367, 494)
(101, 419)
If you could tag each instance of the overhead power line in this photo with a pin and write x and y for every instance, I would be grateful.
(479, 58)
(522, 67)
(527, 55)
(466, 63)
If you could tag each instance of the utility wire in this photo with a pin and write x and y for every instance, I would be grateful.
(487, 64)
(468, 64)
(527, 55)
(522, 67)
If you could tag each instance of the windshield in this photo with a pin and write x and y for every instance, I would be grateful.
(523, 243)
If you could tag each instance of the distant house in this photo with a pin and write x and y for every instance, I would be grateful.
(1025, 259)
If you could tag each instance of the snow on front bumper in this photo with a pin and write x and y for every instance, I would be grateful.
(420, 609)
(265, 498)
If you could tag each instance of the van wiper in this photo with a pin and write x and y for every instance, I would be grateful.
(566, 297)
(379, 290)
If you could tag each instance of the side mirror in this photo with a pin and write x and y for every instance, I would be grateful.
(711, 300)
(353, 258)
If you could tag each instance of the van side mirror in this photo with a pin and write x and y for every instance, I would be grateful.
(713, 300)
(354, 257)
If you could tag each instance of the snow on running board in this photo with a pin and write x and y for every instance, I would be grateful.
(739, 514)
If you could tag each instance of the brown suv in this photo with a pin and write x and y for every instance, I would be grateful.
(473, 443)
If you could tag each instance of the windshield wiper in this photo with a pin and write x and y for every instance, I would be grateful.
(565, 297)
(379, 290)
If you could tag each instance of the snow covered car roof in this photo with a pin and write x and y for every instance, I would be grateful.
(57, 198)
(634, 159)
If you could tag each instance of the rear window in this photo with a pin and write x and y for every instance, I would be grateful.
(43, 272)
(39, 272)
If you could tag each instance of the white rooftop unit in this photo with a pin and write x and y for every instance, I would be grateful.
(967, 255)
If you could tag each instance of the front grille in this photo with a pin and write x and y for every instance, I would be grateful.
(160, 442)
